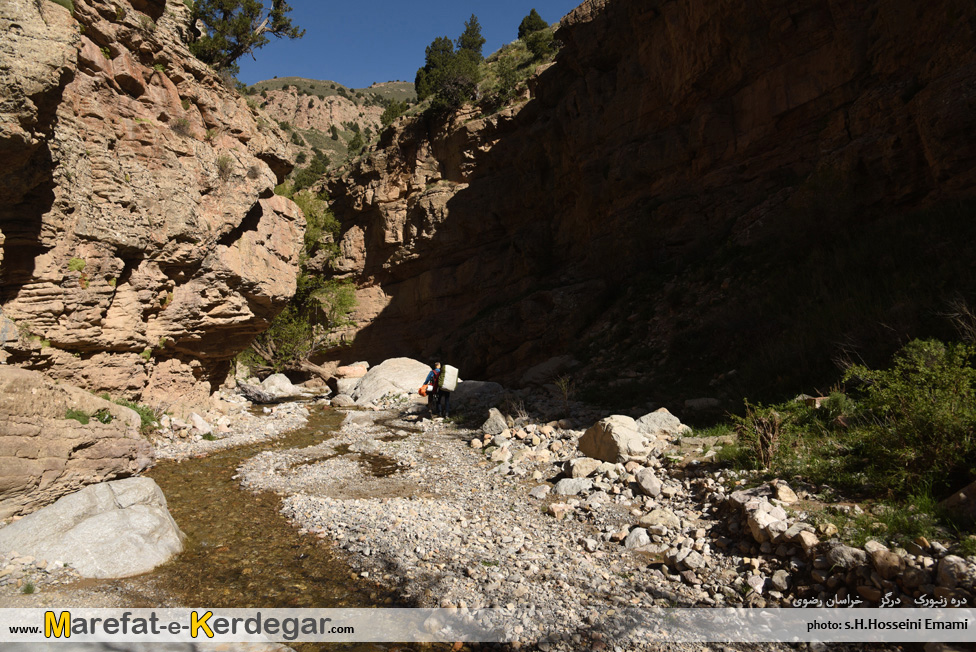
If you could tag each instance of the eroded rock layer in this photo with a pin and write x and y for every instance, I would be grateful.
(45, 455)
(143, 245)
(663, 129)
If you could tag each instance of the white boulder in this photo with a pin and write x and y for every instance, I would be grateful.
(111, 529)
(394, 377)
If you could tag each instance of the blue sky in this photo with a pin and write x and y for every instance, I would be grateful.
(365, 41)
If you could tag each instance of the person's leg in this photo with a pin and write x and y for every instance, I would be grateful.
(447, 403)
(432, 403)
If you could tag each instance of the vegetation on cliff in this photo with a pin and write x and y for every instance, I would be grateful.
(238, 27)
(450, 77)
(453, 77)
(531, 23)
(323, 118)
(320, 306)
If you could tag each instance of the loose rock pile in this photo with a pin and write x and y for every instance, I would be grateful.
(25, 573)
(234, 422)
(833, 571)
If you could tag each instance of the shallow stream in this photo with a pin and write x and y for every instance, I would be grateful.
(240, 552)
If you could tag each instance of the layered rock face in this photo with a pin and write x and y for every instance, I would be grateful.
(661, 130)
(44, 455)
(143, 245)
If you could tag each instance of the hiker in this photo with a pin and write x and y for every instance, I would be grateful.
(432, 383)
(446, 384)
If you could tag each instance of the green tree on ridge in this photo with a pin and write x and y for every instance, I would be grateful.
(234, 28)
(531, 23)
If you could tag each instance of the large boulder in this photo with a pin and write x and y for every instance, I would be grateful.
(255, 393)
(394, 377)
(280, 388)
(343, 385)
(495, 424)
(355, 370)
(614, 439)
(112, 529)
(475, 394)
(45, 455)
(661, 424)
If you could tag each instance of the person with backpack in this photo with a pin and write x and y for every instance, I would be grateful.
(432, 383)
(447, 382)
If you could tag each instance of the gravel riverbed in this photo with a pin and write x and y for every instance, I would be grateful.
(415, 505)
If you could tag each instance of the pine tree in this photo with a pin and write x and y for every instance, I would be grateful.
(471, 40)
(451, 77)
(531, 23)
(439, 55)
(234, 28)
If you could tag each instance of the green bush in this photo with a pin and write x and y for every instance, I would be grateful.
(450, 78)
(319, 306)
(356, 144)
(230, 29)
(225, 167)
(319, 220)
(921, 416)
(78, 415)
(306, 176)
(147, 416)
(506, 88)
(76, 264)
(541, 44)
(393, 111)
(760, 430)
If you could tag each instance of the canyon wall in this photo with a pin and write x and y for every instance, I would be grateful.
(142, 244)
(665, 133)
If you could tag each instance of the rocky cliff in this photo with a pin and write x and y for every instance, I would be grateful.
(311, 112)
(143, 245)
(669, 177)
(324, 116)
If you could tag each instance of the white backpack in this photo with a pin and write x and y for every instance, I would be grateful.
(449, 378)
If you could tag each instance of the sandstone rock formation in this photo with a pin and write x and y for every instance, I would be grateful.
(143, 245)
(45, 455)
(309, 112)
(662, 132)
(112, 529)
